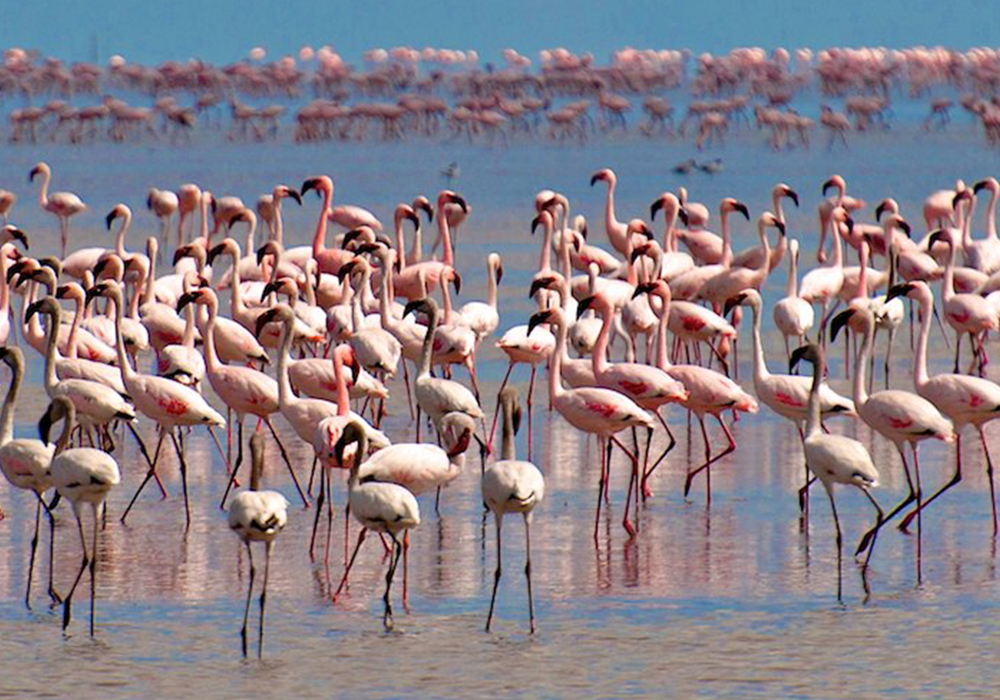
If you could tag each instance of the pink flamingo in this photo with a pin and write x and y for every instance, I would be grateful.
(615, 229)
(328, 259)
(63, 204)
(169, 404)
(243, 389)
(407, 282)
(594, 410)
(900, 416)
(793, 315)
(707, 392)
(751, 257)
(649, 387)
(686, 286)
(965, 400)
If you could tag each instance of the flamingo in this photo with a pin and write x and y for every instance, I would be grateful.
(164, 204)
(793, 315)
(189, 199)
(435, 396)
(687, 285)
(752, 257)
(168, 403)
(26, 463)
(786, 394)
(673, 262)
(969, 314)
(385, 508)
(257, 516)
(595, 410)
(63, 205)
(965, 400)
(410, 282)
(512, 486)
(81, 475)
(900, 416)
(243, 389)
(731, 281)
(328, 259)
(482, 317)
(984, 254)
(7, 201)
(707, 391)
(615, 229)
(834, 459)
(823, 284)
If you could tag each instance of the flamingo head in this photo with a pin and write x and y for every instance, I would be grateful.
(810, 353)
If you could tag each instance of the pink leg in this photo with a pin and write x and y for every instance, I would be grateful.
(350, 564)
(627, 521)
(708, 459)
(954, 480)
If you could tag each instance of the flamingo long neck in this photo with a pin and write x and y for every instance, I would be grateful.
(383, 296)
(812, 406)
(860, 386)
(211, 356)
(72, 340)
(311, 281)
(920, 376)
(51, 341)
(838, 250)
(991, 214)
(278, 233)
(128, 374)
(428, 346)
(779, 212)
(760, 373)
(545, 260)
(662, 359)
(319, 238)
(610, 220)
(631, 274)
(727, 245)
(669, 221)
(120, 239)
(239, 304)
(147, 288)
(343, 397)
(765, 245)
(599, 356)
(507, 440)
(792, 285)
(10, 403)
(863, 272)
(401, 244)
(285, 395)
(203, 230)
(4, 287)
(445, 235)
(491, 292)
(356, 317)
(446, 298)
(966, 222)
(555, 364)
(249, 240)
(43, 193)
(948, 281)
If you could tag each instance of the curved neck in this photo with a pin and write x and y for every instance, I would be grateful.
(920, 376)
(765, 263)
(249, 243)
(4, 287)
(991, 214)
(237, 293)
(319, 238)
(838, 251)
(343, 397)
(779, 213)
(428, 346)
(120, 239)
(43, 193)
(860, 386)
(727, 245)
(792, 285)
(211, 357)
(760, 373)
(812, 406)
(662, 360)
(51, 340)
(284, 349)
(127, 372)
(71, 341)
(863, 272)
(9, 404)
(278, 233)
(544, 262)
(948, 281)
(508, 449)
(599, 356)
(555, 364)
(401, 244)
(445, 235)
(610, 220)
(491, 280)
(669, 221)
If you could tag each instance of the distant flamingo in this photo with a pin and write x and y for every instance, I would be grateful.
(63, 205)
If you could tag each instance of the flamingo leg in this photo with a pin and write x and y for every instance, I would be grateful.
(320, 499)
(709, 460)
(880, 518)
(989, 475)
(350, 564)
(397, 549)
(916, 475)
(34, 550)
(53, 595)
(180, 456)
(840, 544)
(246, 609)
(954, 480)
(605, 447)
(149, 475)
(93, 571)
(145, 454)
(263, 598)
(499, 570)
(527, 570)
(288, 462)
(646, 492)
(912, 496)
(531, 393)
(68, 601)
(626, 522)
(239, 462)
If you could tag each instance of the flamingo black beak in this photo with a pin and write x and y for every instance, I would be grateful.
(460, 201)
(827, 185)
(269, 288)
(538, 319)
(112, 215)
(655, 207)
(742, 209)
(456, 280)
(839, 321)
(295, 195)
(264, 319)
(216, 252)
(732, 303)
(540, 283)
(644, 288)
(311, 183)
(879, 210)
(187, 298)
(346, 269)
(792, 195)
(900, 290)
(583, 306)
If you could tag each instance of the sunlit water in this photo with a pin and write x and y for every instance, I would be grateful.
(731, 599)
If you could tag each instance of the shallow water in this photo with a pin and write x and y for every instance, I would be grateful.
(731, 599)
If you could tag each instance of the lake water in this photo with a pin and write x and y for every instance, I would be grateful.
(735, 599)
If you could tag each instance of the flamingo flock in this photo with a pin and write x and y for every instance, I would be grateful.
(321, 338)
(784, 97)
